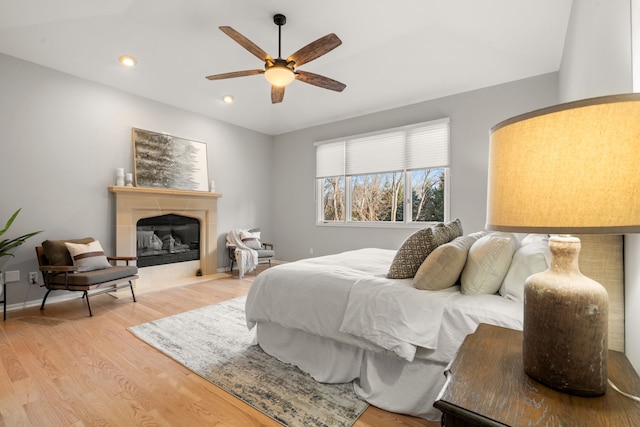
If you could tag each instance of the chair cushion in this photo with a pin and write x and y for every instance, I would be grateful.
(265, 253)
(56, 251)
(93, 278)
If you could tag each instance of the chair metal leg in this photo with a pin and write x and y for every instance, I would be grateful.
(86, 295)
(45, 299)
(132, 293)
(107, 290)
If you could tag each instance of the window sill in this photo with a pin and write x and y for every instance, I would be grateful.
(411, 225)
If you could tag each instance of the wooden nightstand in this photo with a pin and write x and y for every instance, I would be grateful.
(487, 386)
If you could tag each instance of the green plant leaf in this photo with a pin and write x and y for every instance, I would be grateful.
(7, 245)
(6, 227)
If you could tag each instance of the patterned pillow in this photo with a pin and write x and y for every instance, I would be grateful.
(415, 249)
(88, 256)
(455, 228)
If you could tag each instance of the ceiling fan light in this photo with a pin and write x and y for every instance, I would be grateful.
(127, 60)
(279, 75)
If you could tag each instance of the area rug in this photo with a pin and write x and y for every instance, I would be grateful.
(214, 342)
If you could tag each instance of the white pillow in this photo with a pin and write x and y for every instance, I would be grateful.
(251, 239)
(531, 238)
(532, 257)
(88, 256)
(487, 263)
(442, 267)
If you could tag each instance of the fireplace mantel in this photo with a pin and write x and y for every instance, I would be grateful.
(135, 203)
(163, 191)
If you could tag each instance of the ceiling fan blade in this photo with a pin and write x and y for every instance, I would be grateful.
(277, 94)
(235, 74)
(320, 81)
(245, 43)
(315, 49)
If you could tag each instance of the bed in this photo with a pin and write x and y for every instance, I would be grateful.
(340, 318)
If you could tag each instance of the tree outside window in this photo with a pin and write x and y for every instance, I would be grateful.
(380, 197)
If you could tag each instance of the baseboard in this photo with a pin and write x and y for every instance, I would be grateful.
(50, 300)
(121, 293)
(226, 269)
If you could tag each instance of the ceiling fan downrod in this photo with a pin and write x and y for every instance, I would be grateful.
(279, 19)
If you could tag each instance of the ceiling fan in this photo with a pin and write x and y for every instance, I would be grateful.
(280, 72)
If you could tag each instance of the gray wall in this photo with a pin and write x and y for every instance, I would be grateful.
(62, 140)
(472, 116)
(597, 51)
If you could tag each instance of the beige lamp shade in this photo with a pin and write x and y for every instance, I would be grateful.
(571, 168)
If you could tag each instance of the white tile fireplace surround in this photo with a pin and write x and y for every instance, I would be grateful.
(135, 203)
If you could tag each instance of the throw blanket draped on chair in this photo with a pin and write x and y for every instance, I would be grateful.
(246, 257)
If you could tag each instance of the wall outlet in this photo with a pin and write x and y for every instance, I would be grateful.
(12, 276)
(310, 251)
(33, 277)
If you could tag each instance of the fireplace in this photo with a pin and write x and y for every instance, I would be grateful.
(167, 239)
(135, 205)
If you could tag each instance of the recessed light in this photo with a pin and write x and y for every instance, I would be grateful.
(127, 60)
(227, 99)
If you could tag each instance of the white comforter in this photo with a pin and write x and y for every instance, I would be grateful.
(347, 297)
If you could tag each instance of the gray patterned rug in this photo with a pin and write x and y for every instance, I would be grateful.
(214, 342)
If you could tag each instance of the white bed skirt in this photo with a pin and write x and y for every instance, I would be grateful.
(383, 380)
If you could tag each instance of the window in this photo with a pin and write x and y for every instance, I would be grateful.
(394, 176)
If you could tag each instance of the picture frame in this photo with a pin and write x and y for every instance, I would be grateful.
(166, 161)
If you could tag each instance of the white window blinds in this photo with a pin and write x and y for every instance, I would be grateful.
(428, 145)
(383, 152)
(420, 146)
(330, 159)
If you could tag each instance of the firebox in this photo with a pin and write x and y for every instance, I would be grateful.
(167, 239)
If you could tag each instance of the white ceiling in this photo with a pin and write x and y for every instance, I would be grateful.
(393, 53)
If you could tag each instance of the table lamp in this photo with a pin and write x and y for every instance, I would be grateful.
(571, 168)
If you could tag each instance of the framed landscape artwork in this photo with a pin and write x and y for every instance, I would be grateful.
(166, 161)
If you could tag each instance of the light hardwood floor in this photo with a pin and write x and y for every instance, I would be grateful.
(62, 368)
